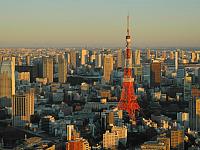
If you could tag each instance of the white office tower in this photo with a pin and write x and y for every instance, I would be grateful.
(98, 60)
(176, 60)
(194, 107)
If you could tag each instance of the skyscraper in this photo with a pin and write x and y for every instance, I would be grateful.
(19, 61)
(1, 58)
(69, 129)
(148, 54)
(108, 67)
(182, 54)
(73, 59)
(164, 55)
(194, 107)
(7, 78)
(120, 58)
(98, 60)
(176, 60)
(84, 55)
(48, 68)
(193, 57)
(171, 55)
(137, 57)
(22, 107)
(155, 74)
(62, 69)
(28, 60)
(187, 88)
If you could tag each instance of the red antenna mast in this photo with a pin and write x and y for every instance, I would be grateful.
(128, 101)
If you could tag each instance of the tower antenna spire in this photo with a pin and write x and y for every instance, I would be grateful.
(128, 25)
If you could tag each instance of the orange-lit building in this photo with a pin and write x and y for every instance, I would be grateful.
(78, 144)
(108, 67)
(155, 74)
(48, 68)
(195, 92)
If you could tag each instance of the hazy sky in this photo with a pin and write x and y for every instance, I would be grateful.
(154, 23)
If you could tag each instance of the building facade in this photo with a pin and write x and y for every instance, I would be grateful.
(22, 108)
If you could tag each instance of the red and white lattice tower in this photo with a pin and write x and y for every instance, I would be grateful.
(128, 101)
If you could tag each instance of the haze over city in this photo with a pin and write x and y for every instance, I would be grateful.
(100, 75)
(99, 23)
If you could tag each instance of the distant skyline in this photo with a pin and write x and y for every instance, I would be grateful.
(99, 23)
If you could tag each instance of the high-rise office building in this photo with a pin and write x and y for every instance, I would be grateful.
(28, 60)
(7, 78)
(120, 58)
(19, 61)
(193, 57)
(197, 56)
(67, 57)
(1, 58)
(177, 139)
(157, 54)
(187, 88)
(48, 68)
(155, 74)
(108, 67)
(110, 118)
(73, 59)
(194, 107)
(137, 57)
(148, 54)
(183, 119)
(164, 55)
(176, 60)
(171, 55)
(138, 73)
(22, 108)
(182, 54)
(92, 57)
(98, 60)
(62, 69)
(69, 129)
(84, 56)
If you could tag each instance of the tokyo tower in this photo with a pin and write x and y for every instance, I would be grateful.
(128, 101)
